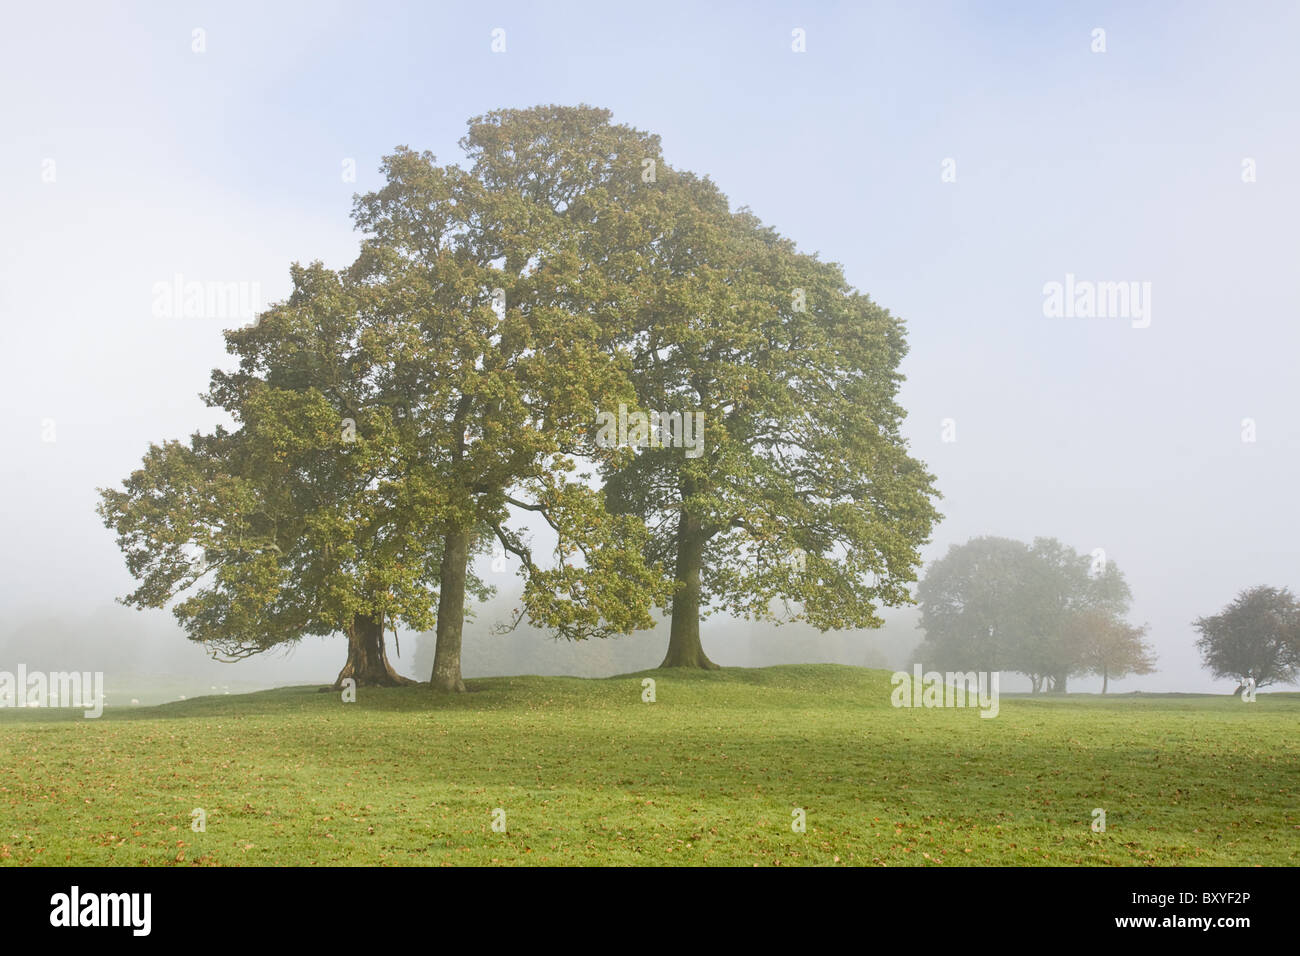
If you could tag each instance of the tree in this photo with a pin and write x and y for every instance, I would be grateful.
(1064, 584)
(308, 517)
(998, 604)
(1108, 647)
(973, 610)
(394, 417)
(1253, 638)
(799, 500)
(501, 337)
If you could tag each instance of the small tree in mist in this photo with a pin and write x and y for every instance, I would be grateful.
(1254, 638)
(1108, 647)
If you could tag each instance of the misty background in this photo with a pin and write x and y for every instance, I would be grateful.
(129, 159)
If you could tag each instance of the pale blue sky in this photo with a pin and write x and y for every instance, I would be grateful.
(1115, 166)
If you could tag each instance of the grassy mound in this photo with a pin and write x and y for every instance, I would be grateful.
(715, 771)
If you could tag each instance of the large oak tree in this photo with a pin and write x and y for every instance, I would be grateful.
(392, 419)
(803, 502)
(308, 515)
(501, 338)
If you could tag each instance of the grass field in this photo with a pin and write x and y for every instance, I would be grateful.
(711, 773)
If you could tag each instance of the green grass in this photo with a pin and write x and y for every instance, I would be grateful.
(709, 774)
(150, 689)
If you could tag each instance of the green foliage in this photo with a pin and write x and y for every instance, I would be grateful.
(998, 604)
(805, 495)
(395, 418)
(1103, 644)
(1257, 636)
(313, 510)
(436, 390)
(498, 332)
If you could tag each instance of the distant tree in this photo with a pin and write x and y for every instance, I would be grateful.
(1291, 648)
(1254, 638)
(1063, 585)
(1106, 646)
(999, 604)
(973, 608)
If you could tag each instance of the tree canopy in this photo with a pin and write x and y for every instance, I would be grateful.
(392, 418)
(442, 393)
(1256, 637)
(309, 515)
(1038, 609)
(801, 502)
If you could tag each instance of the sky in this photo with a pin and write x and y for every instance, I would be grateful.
(956, 159)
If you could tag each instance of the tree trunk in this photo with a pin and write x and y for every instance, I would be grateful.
(684, 648)
(451, 613)
(367, 662)
(1105, 679)
(1058, 684)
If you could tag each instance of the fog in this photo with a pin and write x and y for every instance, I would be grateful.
(955, 162)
